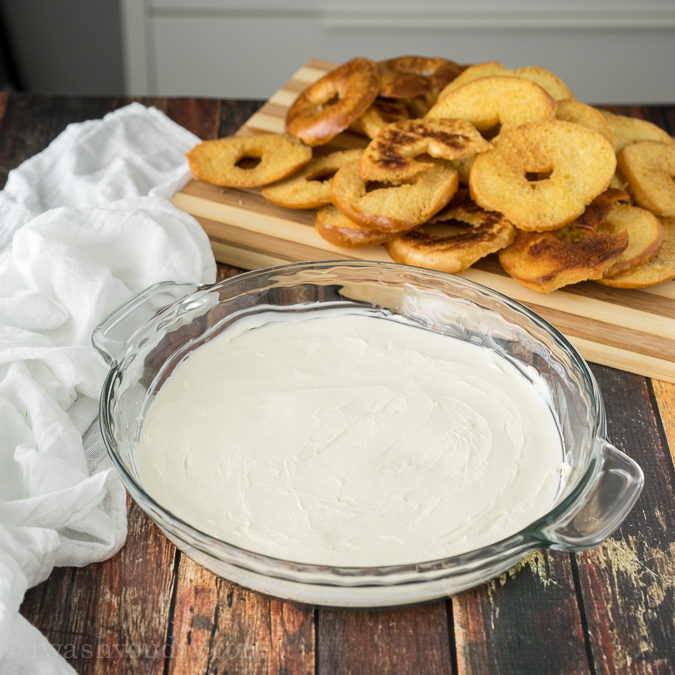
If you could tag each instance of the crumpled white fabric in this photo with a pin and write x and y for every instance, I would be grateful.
(84, 225)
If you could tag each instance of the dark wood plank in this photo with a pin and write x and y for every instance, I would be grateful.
(526, 621)
(628, 583)
(32, 121)
(201, 117)
(4, 97)
(411, 640)
(219, 627)
(234, 116)
(111, 617)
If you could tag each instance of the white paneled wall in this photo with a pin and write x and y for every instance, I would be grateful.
(607, 51)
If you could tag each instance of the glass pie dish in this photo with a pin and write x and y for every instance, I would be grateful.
(146, 338)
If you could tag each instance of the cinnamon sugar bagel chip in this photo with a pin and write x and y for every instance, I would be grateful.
(571, 110)
(333, 102)
(546, 79)
(645, 236)
(542, 175)
(382, 111)
(648, 167)
(337, 229)
(309, 188)
(391, 155)
(496, 102)
(657, 270)
(223, 161)
(546, 261)
(454, 239)
(627, 129)
(394, 207)
(409, 76)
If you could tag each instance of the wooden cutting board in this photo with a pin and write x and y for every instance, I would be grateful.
(633, 330)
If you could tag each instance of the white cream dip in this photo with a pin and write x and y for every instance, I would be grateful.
(349, 440)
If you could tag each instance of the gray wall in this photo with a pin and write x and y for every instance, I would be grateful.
(65, 46)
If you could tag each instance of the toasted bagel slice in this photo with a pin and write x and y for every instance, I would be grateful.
(410, 76)
(339, 230)
(627, 129)
(571, 110)
(547, 80)
(329, 105)
(454, 239)
(546, 261)
(645, 236)
(310, 187)
(394, 207)
(222, 161)
(496, 102)
(659, 269)
(392, 154)
(648, 167)
(382, 111)
(542, 175)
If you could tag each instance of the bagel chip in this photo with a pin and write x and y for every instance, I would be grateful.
(496, 102)
(645, 236)
(627, 129)
(391, 155)
(546, 79)
(546, 261)
(337, 229)
(571, 110)
(410, 76)
(454, 239)
(329, 105)
(542, 175)
(657, 270)
(382, 111)
(394, 207)
(222, 161)
(648, 167)
(309, 188)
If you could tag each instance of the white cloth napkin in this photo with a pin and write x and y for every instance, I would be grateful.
(84, 225)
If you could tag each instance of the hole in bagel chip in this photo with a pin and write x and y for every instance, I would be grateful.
(247, 162)
(534, 177)
(491, 132)
(329, 102)
(322, 176)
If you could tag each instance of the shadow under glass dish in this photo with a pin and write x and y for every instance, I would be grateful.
(146, 338)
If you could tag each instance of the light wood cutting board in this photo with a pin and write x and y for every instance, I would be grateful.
(633, 330)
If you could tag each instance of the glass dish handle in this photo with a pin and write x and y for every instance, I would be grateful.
(111, 336)
(604, 506)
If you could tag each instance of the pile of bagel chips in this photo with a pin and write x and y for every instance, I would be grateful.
(460, 162)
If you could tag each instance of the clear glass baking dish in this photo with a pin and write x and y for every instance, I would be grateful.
(144, 339)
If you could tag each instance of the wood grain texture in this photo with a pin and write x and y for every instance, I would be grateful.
(398, 641)
(106, 617)
(665, 399)
(628, 582)
(4, 97)
(500, 627)
(219, 627)
(631, 330)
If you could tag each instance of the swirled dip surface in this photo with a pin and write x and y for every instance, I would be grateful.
(349, 440)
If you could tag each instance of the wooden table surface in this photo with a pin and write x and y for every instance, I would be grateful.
(150, 609)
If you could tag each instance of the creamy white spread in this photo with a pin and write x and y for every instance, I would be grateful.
(350, 440)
